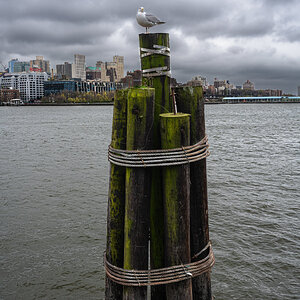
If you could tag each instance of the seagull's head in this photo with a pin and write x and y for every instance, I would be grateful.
(141, 9)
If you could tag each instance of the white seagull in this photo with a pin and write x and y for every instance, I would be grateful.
(147, 20)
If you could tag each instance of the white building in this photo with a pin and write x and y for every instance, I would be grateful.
(30, 84)
(78, 67)
(9, 81)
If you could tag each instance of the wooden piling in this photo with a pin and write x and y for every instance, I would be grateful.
(138, 183)
(116, 197)
(190, 100)
(175, 132)
(161, 84)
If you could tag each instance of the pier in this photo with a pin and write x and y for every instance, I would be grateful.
(272, 99)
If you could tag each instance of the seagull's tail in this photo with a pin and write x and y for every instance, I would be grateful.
(161, 22)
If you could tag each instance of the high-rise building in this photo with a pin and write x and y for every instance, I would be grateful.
(119, 61)
(111, 72)
(93, 73)
(16, 66)
(11, 65)
(64, 71)
(102, 66)
(40, 65)
(78, 67)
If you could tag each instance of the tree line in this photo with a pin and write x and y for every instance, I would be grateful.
(78, 97)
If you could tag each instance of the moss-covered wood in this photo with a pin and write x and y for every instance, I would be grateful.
(140, 112)
(175, 132)
(190, 100)
(116, 196)
(161, 84)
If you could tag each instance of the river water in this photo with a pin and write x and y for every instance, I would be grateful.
(53, 200)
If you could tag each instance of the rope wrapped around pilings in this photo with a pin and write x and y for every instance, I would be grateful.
(163, 275)
(159, 158)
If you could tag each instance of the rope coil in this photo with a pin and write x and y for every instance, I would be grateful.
(159, 71)
(160, 276)
(158, 49)
(159, 158)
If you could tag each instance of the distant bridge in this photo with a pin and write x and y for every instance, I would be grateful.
(272, 99)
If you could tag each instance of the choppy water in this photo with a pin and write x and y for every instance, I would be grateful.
(53, 184)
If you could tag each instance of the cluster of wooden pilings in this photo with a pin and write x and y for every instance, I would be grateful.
(157, 216)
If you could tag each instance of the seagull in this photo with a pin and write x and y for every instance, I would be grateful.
(147, 20)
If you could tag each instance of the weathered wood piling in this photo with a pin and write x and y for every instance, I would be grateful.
(138, 187)
(158, 194)
(116, 197)
(155, 65)
(190, 100)
(175, 133)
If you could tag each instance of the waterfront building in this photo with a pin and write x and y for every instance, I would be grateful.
(78, 67)
(97, 86)
(219, 83)
(270, 92)
(261, 99)
(132, 79)
(248, 85)
(83, 86)
(59, 86)
(40, 65)
(211, 90)
(64, 71)
(30, 84)
(9, 81)
(6, 95)
(198, 81)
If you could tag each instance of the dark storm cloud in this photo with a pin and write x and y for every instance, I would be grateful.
(229, 38)
(291, 34)
(61, 33)
(67, 11)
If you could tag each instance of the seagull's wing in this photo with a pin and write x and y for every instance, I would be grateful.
(153, 19)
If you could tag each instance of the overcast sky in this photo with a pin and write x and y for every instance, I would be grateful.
(234, 40)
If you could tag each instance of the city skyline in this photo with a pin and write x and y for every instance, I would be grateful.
(232, 40)
(67, 69)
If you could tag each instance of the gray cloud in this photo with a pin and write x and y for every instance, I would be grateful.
(229, 39)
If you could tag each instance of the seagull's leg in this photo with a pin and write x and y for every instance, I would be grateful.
(146, 29)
